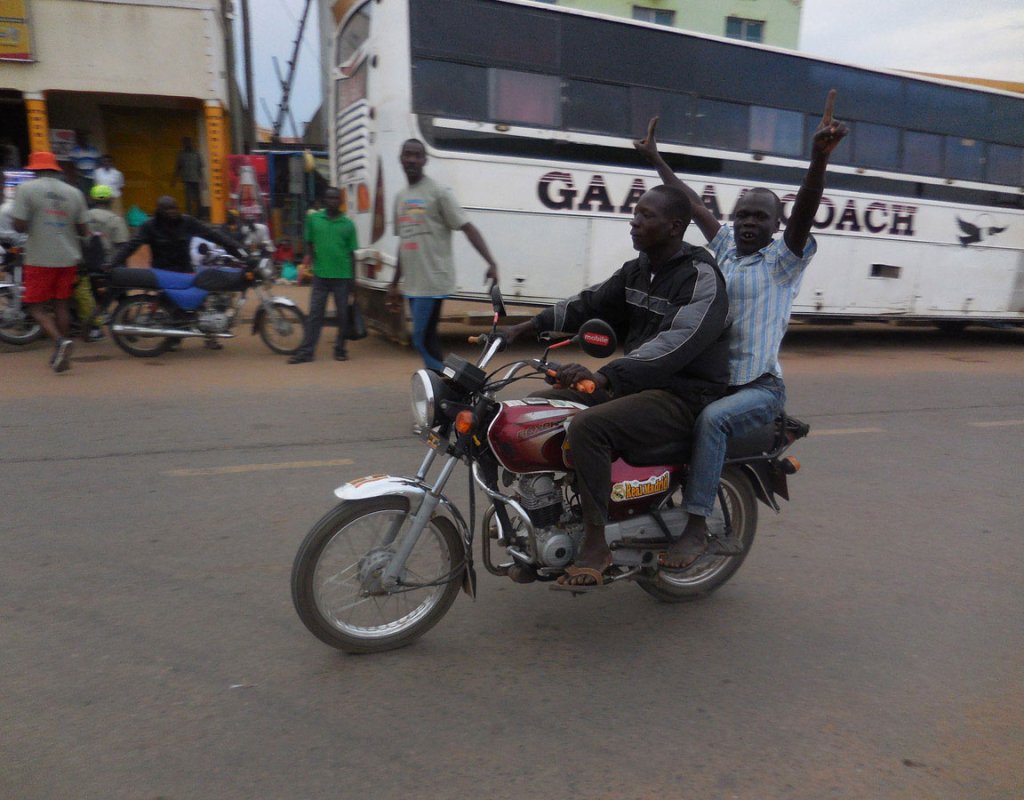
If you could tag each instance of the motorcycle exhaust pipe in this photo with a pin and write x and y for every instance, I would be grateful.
(177, 333)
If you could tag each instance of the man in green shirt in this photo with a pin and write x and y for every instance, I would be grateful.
(330, 248)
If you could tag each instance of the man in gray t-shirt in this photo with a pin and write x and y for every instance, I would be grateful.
(425, 215)
(53, 214)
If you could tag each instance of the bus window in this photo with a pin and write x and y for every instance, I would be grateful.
(450, 90)
(922, 153)
(599, 107)
(674, 112)
(722, 125)
(1005, 165)
(876, 146)
(964, 158)
(525, 97)
(773, 130)
(354, 34)
(955, 111)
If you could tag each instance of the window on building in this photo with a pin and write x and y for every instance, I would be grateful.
(749, 30)
(655, 15)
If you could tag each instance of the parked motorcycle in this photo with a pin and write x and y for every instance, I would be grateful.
(172, 306)
(16, 325)
(385, 564)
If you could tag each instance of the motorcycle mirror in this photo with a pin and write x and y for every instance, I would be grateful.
(597, 339)
(496, 300)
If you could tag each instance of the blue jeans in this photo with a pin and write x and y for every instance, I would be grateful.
(747, 408)
(426, 313)
(322, 287)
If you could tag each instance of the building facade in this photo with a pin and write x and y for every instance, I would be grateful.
(134, 78)
(774, 22)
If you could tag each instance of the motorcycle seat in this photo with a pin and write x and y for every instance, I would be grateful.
(134, 278)
(755, 443)
(220, 279)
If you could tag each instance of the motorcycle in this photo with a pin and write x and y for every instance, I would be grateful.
(17, 326)
(176, 305)
(385, 564)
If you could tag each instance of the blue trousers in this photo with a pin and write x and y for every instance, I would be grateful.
(426, 313)
(746, 408)
(322, 287)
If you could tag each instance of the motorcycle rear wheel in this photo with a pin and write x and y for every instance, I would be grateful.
(16, 327)
(282, 329)
(141, 310)
(710, 572)
(342, 556)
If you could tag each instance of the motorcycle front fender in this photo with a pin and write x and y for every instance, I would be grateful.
(409, 488)
(262, 311)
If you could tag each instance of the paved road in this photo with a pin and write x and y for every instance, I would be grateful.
(871, 646)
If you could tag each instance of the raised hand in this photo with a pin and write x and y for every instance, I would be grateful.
(648, 146)
(830, 132)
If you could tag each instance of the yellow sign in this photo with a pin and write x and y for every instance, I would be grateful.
(15, 31)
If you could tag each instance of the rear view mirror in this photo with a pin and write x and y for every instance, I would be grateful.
(496, 300)
(596, 338)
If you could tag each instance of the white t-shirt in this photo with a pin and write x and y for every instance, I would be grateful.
(113, 178)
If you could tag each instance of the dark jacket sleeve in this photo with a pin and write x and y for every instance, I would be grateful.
(683, 337)
(143, 235)
(605, 300)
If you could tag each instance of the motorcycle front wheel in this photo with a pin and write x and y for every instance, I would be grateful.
(336, 576)
(282, 329)
(17, 326)
(710, 572)
(146, 312)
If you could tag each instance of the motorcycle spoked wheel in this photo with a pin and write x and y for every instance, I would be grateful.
(282, 329)
(341, 559)
(710, 572)
(141, 310)
(22, 328)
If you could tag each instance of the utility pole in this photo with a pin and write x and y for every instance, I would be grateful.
(227, 19)
(250, 95)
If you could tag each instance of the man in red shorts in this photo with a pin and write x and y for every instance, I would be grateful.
(53, 214)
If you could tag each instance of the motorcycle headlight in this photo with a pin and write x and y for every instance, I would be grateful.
(427, 390)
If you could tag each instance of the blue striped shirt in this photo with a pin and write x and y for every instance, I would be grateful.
(761, 287)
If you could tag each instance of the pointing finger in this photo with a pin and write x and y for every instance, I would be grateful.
(829, 105)
(651, 126)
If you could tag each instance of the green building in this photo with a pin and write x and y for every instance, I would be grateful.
(774, 22)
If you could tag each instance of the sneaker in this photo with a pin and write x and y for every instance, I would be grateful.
(341, 357)
(61, 361)
(94, 335)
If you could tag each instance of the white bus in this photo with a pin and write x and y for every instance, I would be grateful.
(528, 113)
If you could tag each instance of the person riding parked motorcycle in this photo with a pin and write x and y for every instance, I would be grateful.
(670, 308)
(169, 234)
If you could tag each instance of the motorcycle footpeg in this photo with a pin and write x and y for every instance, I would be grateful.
(725, 545)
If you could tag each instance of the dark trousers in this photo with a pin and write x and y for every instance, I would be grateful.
(322, 287)
(611, 426)
(192, 206)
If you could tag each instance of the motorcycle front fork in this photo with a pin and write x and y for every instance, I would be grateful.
(407, 541)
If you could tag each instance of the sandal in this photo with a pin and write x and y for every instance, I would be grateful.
(572, 571)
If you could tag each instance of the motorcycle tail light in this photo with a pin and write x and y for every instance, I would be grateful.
(465, 421)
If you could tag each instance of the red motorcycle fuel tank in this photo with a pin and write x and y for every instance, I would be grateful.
(529, 435)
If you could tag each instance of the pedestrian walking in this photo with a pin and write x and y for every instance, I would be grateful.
(107, 174)
(54, 216)
(426, 213)
(330, 251)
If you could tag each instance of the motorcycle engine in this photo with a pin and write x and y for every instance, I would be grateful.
(212, 321)
(556, 547)
(541, 496)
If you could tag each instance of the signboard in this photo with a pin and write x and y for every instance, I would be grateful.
(13, 178)
(62, 141)
(15, 31)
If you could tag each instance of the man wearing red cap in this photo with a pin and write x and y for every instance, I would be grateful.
(54, 216)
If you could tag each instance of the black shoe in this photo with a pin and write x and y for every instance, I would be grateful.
(213, 344)
(340, 357)
(297, 359)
